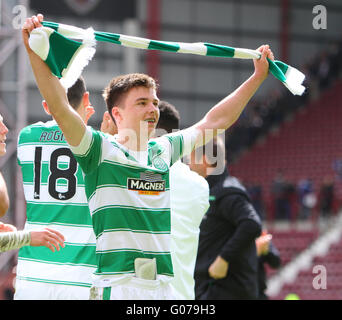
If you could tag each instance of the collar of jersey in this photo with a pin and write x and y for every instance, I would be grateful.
(154, 150)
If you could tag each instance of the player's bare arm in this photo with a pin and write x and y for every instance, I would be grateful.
(52, 91)
(228, 110)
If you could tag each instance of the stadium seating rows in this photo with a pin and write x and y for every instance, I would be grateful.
(289, 244)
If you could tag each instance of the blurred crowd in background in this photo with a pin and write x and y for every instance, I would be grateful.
(291, 199)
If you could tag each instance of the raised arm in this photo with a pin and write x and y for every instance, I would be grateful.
(52, 91)
(228, 110)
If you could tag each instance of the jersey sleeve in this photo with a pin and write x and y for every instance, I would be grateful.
(14, 240)
(181, 143)
(88, 152)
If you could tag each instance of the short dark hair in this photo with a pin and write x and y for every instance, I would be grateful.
(75, 92)
(120, 85)
(169, 116)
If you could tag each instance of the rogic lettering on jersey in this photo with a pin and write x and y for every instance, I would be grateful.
(55, 135)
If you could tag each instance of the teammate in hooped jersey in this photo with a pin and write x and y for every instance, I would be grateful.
(10, 238)
(55, 196)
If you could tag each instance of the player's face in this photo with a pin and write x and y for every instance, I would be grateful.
(3, 132)
(140, 110)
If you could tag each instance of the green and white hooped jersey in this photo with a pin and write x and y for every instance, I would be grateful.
(55, 195)
(129, 202)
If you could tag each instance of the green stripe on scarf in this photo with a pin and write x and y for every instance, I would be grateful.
(217, 50)
(162, 46)
(52, 25)
(60, 54)
(107, 37)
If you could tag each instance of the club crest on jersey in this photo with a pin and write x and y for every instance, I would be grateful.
(149, 184)
(159, 164)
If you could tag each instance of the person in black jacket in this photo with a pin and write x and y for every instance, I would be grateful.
(227, 263)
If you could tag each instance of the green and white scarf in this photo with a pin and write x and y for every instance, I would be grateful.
(68, 49)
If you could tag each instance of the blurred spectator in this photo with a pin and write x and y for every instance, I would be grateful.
(307, 198)
(255, 193)
(324, 71)
(280, 191)
(337, 167)
(326, 197)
